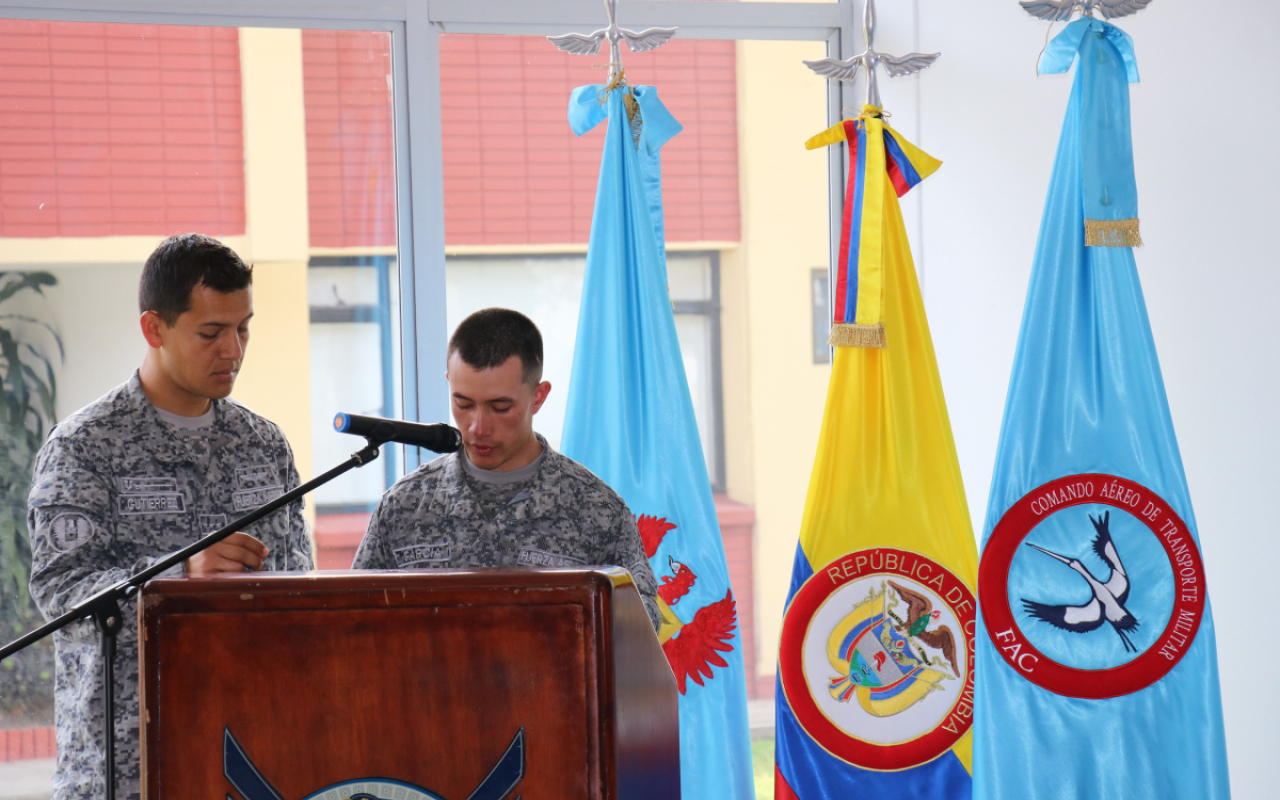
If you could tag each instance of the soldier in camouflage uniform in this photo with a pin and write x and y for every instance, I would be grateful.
(506, 499)
(146, 470)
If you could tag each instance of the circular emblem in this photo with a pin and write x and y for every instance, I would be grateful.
(372, 789)
(69, 531)
(1091, 586)
(877, 658)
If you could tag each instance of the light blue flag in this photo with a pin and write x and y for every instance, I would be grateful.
(1097, 673)
(630, 420)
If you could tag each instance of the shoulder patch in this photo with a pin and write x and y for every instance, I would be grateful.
(69, 531)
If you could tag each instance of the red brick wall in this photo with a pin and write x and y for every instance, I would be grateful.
(350, 160)
(119, 129)
(514, 172)
(27, 743)
(737, 531)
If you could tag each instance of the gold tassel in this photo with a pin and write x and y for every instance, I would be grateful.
(1112, 233)
(633, 115)
(844, 335)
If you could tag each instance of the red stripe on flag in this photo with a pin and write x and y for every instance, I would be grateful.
(842, 269)
(781, 791)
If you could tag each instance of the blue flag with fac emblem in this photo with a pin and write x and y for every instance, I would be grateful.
(630, 420)
(1098, 674)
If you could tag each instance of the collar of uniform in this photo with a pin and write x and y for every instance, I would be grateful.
(157, 435)
(454, 497)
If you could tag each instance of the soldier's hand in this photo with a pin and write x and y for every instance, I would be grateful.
(236, 553)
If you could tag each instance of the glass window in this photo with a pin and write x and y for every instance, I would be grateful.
(520, 189)
(354, 312)
(548, 289)
(276, 141)
(819, 283)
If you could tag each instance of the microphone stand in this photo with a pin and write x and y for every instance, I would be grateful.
(104, 607)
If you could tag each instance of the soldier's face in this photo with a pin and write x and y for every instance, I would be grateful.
(202, 352)
(494, 409)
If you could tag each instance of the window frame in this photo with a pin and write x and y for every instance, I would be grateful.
(367, 314)
(415, 26)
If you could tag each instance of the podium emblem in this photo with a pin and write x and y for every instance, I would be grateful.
(876, 659)
(246, 778)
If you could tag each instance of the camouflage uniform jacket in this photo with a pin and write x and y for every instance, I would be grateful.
(116, 488)
(565, 517)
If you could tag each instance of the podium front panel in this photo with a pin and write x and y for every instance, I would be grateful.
(449, 685)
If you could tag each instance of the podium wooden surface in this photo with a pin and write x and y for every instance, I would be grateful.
(385, 682)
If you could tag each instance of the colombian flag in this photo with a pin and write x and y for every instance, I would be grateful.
(875, 669)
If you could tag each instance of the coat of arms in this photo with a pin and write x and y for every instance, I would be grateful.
(881, 650)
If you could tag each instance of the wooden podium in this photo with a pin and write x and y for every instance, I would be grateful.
(426, 685)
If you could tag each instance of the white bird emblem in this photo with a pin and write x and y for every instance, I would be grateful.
(1107, 604)
(1058, 10)
(847, 70)
(589, 44)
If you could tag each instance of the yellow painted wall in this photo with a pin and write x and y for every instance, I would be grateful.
(276, 377)
(774, 393)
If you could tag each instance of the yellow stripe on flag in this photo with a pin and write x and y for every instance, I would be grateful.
(886, 472)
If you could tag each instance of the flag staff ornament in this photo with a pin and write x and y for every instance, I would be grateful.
(883, 166)
(869, 59)
(1063, 9)
(1110, 186)
(588, 44)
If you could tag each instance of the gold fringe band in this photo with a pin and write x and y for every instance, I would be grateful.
(844, 335)
(1112, 233)
(633, 115)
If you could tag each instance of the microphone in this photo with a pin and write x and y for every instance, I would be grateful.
(438, 438)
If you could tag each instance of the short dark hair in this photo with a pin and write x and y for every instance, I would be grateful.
(487, 338)
(179, 265)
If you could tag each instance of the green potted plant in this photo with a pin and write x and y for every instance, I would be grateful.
(28, 389)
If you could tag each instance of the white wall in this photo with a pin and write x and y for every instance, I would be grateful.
(1204, 120)
(94, 307)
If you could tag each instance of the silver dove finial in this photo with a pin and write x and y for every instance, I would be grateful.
(869, 59)
(589, 44)
(1058, 10)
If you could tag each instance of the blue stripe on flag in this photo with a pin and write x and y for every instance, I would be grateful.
(855, 229)
(905, 166)
(814, 774)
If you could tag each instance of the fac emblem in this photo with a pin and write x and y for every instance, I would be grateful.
(1092, 586)
(876, 658)
(252, 785)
